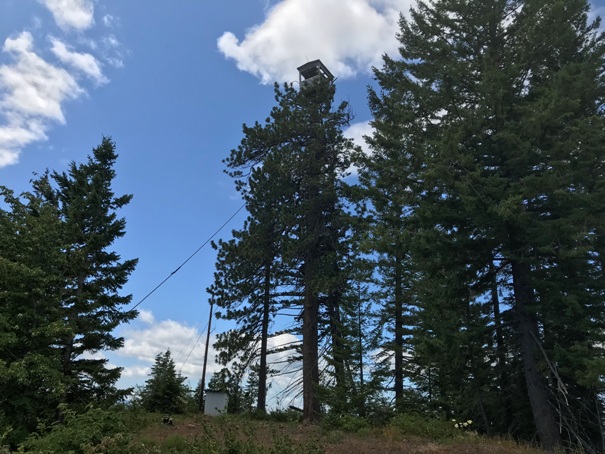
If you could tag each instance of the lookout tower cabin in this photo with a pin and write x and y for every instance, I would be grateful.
(312, 72)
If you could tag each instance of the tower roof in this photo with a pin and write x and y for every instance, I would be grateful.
(313, 69)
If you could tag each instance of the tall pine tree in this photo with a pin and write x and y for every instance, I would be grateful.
(302, 145)
(59, 292)
(91, 304)
(498, 112)
(31, 322)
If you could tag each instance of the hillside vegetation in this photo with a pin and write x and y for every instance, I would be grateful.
(126, 431)
(454, 270)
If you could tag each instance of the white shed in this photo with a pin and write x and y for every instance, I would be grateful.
(215, 403)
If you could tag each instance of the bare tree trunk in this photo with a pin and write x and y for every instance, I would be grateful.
(310, 347)
(362, 407)
(261, 405)
(338, 347)
(543, 414)
(500, 350)
(398, 347)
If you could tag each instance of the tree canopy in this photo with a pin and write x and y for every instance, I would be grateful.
(59, 292)
(165, 390)
(473, 233)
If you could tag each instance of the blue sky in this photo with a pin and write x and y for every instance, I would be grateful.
(171, 82)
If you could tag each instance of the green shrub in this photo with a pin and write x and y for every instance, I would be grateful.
(284, 415)
(136, 419)
(283, 444)
(118, 444)
(76, 433)
(347, 423)
(420, 426)
(176, 443)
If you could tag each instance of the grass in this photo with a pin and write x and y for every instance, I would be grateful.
(143, 433)
(237, 434)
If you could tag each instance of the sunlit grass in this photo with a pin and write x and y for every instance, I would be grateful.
(144, 433)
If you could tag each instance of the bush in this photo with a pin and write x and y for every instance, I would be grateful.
(284, 415)
(283, 444)
(78, 431)
(347, 423)
(176, 443)
(420, 426)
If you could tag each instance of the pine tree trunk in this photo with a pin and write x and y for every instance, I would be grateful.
(398, 348)
(362, 407)
(261, 405)
(544, 417)
(66, 357)
(313, 224)
(337, 349)
(310, 347)
(500, 350)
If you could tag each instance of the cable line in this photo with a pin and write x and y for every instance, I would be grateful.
(189, 258)
(185, 347)
(192, 348)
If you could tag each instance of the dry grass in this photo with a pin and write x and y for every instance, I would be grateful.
(315, 439)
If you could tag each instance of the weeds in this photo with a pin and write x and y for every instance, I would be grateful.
(419, 426)
(126, 432)
(346, 423)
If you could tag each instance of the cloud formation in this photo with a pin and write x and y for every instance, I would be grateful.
(187, 343)
(32, 92)
(109, 20)
(146, 317)
(357, 132)
(349, 37)
(83, 62)
(35, 83)
(144, 344)
(72, 14)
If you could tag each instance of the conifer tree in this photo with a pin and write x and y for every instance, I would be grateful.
(497, 114)
(165, 390)
(385, 201)
(59, 292)
(250, 273)
(302, 146)
(90, 302)
(31, 283)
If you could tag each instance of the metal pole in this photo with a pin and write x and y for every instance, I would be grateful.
(203, 381)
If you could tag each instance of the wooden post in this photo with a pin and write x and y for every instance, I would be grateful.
(203, 381)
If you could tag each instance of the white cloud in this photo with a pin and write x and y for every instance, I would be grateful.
(349, 37)
(286, 384)
(32, 92)
(83, 62)
(357, 131)
(110, 41)
(32, 86)
(187, 347)
(92, 355)
(15, 135)
(143, 345)
(109, 20)
(36, 23)
(596, 11)
(146, 317)
(113, 51)
(77, 14)
(136, 371)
